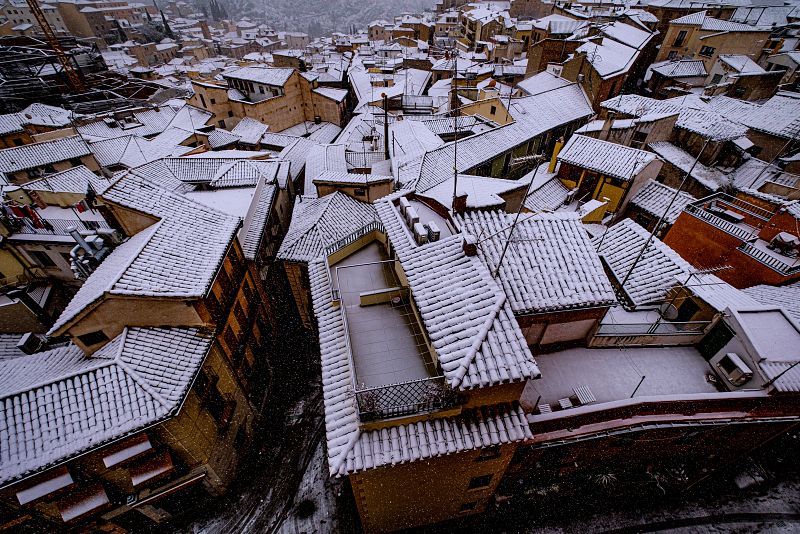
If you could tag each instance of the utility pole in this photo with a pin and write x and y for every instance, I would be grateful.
(385, 125)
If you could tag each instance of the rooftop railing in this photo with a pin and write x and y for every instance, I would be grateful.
(652, 329)
(776, 264)
(58, 226)
(715, 220)
(405, 398)
(354, 236)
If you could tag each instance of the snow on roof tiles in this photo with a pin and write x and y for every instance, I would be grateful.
(716, 25)
(787, 297)
(74, 180)
(717, 293)
(249, 131)
(266, 75)
(656, 270)
(467, 316)
(482, 192)
(541, 82)
(132, 151)
(654, 197)
(350, 449)
(137, 379)
(43, 153)
(323, 158)
(551, 265)
(178, 256)
(533, 115)
(741, 63)
(610, 159)
(296, 153)
(332, 93)
(255, 224)
(548, 196)
(709, 177)
(754, 173)
(35, 114)
(681, 68)
(219, 138)
(319, 222)
(338, 177)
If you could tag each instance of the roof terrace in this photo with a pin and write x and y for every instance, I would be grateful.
(395, 373)
(576, 377)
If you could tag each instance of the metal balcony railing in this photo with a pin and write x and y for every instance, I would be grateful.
(776, 264)
(406, 398)
(714, 220)
(653, 329)
(57, 226)
(353, 237)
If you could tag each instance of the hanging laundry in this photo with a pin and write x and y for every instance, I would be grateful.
(81, 206)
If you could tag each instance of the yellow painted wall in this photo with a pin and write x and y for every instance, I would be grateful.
(425, 492)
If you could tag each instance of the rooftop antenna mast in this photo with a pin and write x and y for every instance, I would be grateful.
(663, 215)
(455, 113)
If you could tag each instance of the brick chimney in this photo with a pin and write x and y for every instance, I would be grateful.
(460, 202)
(470, 245)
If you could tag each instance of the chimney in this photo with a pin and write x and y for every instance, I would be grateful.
(553, 160)
(460, 202)
(470, 245)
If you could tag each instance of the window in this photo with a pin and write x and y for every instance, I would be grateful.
(203, 100)
(488, 453)
(360, 192)
(213, 101)
(221, 123)
(42, 258)
(468, 506)
(680, 38)
(18, 142)
(716, 79)
(482, 481)
(673, 55)
(493, 110)
(230, 114)
(707, 51)
(93, 338)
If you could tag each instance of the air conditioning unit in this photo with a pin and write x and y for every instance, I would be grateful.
(404, 205)
(433, 232)
(412, 217)
(420, 233)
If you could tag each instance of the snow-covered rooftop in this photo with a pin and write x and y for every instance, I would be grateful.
(137, 379)
(610, 159)
(655, 271)
(319, 222)
(550, 265)
(178, 256)
(654, 197)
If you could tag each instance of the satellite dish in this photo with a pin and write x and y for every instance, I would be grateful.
(668, 311)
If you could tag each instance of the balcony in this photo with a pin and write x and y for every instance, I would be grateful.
(56, 226)
(613, 376)
(784, 264)
(394, 372)
(731, 215)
